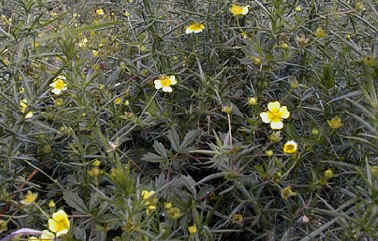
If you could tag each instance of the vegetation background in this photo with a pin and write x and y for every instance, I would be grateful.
(99, 148)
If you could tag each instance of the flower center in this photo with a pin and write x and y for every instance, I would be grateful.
(60, 224)
(290, 148)
(275, 115)
(59, 84)
(165, 82)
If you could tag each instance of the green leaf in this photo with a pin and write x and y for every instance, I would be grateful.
(74, 201)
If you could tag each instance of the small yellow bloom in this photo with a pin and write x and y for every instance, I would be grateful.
(252, 101)
(29, 198)
(287, 192)
(94, 172)
(192, 229)
(237, 10)
(150, 209)
(59, 223)
(167, 205)
(21, 90)
(100, 12)
(227, 109)
(298, 8)
(58, 85)
(284, 45)
(328, 173)
(46, 236)
(165, 82)
(23, 105)
(83, 42)
(96, 163)
(95, 53)
(275, 114)
(335, 122)
(174, 213)
(194, 28)
(290, 147)
(320, 33)
(29, 115)
(269, 153)
(302, 40)
(51, 204)
(118, 100)
(32, 238)
(237, 218)
(147, 194)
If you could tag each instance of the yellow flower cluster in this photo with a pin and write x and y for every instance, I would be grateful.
(287, 192)
(150, 201)
(23, 107)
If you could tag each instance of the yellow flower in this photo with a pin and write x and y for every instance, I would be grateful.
(100, 12)
(237, 10)
(174, 213)
(192, 229)
(320, 33)
(46, 236)
(51, 204)
(29, 115)
(237, 218)
(167, 205)
(252, 101)
(165, 82)
(298, 8)
(328, 173)
(194, 28)
(287, 192)
(95, 53)
(59, 223)
(118, 100)
(32, 238)
(59, 102)
(58, 85)
(290, 147)
(147, 194)
(29, 198)
(275, 115)
(150, 209)
(269, 153)
(335, 122)
(23, 105)
(83, 42)
(96, 163)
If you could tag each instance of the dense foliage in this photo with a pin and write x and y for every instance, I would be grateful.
(189, 119)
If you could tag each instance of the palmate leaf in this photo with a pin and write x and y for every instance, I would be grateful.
(74, 201)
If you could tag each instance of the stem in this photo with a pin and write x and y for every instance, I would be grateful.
(229, 127)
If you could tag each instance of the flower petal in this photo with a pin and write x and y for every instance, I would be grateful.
(188, 30)
(285, 113)
(276, 125)
(167, 89)
(173, 80)
(264, 117)
(274, 106)
(157, 84)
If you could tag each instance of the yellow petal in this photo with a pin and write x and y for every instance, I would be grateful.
(284, 112)
(274, 106)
